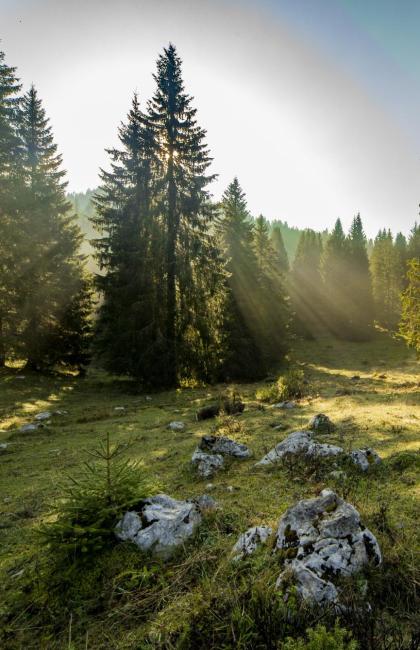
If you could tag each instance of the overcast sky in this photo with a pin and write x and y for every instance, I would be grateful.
(313, 104)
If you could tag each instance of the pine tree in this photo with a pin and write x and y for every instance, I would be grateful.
(54, 300)
(129, 339)
(410, 321)
(413, 246)
(306, 285)
(192, 268)
(359, 288)
(401, 254)
(279, 248)
(385, 266)
(273, 308)
(334, 270)
(244, 359)
(11, 185)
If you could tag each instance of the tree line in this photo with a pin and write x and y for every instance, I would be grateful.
(186, 288)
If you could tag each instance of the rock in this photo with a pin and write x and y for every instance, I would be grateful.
(119, 408)
(338, 474)
(3, 446)
(223, 445)
(45, 415)
(207, 464)
(364, 458)
(208, 412)
(162, 525)
(285, 405)
(323, 538)
(176, 426)
(20, 377)
(299, 442)
(28, 428)
(308, 585)
(321, 423)
(249, 541)
(60, 412)
(148, 398)
(205, 503)
(210, 486)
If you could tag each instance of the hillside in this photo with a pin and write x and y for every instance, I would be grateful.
(124, 600)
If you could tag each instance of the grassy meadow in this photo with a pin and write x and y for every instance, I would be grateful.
(371, 391)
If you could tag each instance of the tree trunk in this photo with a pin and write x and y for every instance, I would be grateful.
(171, 369)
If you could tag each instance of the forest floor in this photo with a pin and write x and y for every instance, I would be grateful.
(380, 409)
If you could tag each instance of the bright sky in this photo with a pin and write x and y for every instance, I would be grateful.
(313, 104)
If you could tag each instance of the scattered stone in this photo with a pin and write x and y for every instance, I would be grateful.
(299, 442)
(3, 446)
(60, 412)
(148, 398)
(323, 538)
(207, 464)
(230, 488)
(365, 457)
(285, 405)
(119, 408)
(338, 474)
(249, 541)
(222, 445)
(176, 426)
(321, 423)
(45, 415)
(28, 428)
(205, 503)
(210, 486)
(162, 525)
(20, 377)
(207, 412)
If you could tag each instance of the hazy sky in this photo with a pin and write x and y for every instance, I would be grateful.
(313, 104)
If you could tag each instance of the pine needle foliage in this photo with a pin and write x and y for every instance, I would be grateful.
(94, 501)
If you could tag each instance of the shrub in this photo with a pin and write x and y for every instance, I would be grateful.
(288, 386)
(94, 502)
(320, 638)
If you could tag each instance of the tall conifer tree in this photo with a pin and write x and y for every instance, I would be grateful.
(334, 268)
(306, 285)
(387, 280)
(410, 321)
(11, 186)
(54, 300)
(279, 248)
(192, 268)
(359, 287)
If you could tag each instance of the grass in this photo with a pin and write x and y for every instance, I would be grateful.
(125, 601)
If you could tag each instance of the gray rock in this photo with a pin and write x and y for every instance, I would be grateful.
(299, 442)
(207, 464)
(327, 539)
(285, 405)
(309, 585)
(222, 445)
(365, 457)
(205, 503)
(249, 541)
(119, 408)
(45, 415)
(321, 423)
(28, 428)
(60, 412)
(3, 446)
(162, 525)
(176, 426)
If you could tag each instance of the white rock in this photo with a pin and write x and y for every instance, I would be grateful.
(249, 541)
(299, 442)
(285, 405)
(27, 428)
(3, 446)
(207, 464)
(45, 415)
(309, 586)
(162, 526)
(119, 408)
(327, 539)
(365, 457)
(176, 426)
(223, 445)
(60, 412)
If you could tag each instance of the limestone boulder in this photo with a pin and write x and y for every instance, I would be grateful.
(249, 541)
(206, 464)
(364, 458)
(225, 446)
(299, 442)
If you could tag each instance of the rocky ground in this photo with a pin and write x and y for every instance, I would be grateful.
(371, 395)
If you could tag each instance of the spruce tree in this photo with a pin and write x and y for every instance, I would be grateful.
(192, 269)
(334, 270)
(11, 186)
(401, 254)
(359, 288)
(410, 321)
(54, 300)
(244, 359)
(385, 266)
(306, 285)
(413, 246)
(279, 248)
(127, 329)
